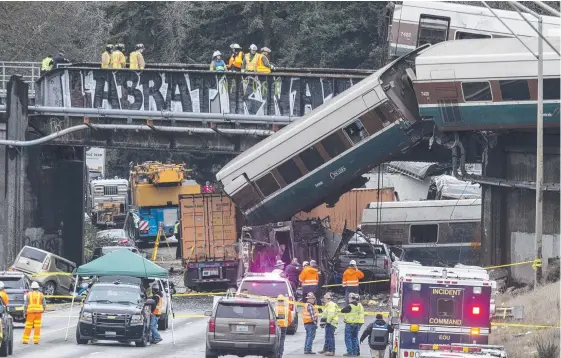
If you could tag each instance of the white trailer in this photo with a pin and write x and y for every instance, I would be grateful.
(95, 161)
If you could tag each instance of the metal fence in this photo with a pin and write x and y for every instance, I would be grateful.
(29, 71)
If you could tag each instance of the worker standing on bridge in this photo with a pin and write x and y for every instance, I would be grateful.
(217, 64)
(34, 305)
(136, 58)
(3, 294)
(249, 63)
(58, 59)
(354, 319)
(46, 64)
(263, 64)
(208, 189)
(236, 60)
(351, 278)
(118, 59)
(106, 56)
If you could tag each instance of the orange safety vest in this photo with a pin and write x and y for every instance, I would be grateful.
(284, 318)
(34, 302)
(309, 276)
(251, 66)
(105, 59)
(236, 61)
(261, 66)
(4, 297)
(307, 316)
(118, 60)
(351, 277)
(158, 309)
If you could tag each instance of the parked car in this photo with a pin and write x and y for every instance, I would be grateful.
(16, 285)
(115, 311)
(242, 326)
(52, 272)
(271, 285)
(114, 237)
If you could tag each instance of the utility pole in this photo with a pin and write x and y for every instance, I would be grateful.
(539, 160)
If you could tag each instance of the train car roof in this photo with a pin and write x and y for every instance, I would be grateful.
(485, 58)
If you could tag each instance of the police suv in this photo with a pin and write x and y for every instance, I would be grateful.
(270, 285)
(439, 306)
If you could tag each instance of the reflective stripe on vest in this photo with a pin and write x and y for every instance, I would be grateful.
(219, 65)
(251, 65)
(105, 59)
(261, 66)
(34, 302)
(176, 229)
(158, 309)
(356, 315)
(283, 315)
(307, 316)
(46, 64)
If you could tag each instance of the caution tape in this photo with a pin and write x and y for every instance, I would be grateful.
(198, 294)
(360, 283)
(535, 264)
(500, 324)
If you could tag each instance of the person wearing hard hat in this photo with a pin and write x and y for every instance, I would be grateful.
(3, 294)
(284, 320)
(310, 316)
(329, 321)
(34, 305)
(250, 59)
(155, 314)
(351, 278)
(279, 268)
(236, 59)
(118, 59)
(46, 64)
(263, 62)
(106, 56)
(309, 279)
(136, 58)
(217, 64)
(354, 319)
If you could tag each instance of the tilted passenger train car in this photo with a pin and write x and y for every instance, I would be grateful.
(321, 156)
(415, 23)
(486, 84)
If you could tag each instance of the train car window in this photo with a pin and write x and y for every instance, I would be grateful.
(311, 158)
(267, 184)
(551, 88)
(289, 171)
(423, 234)
(515, 90)
(477, 91)
(432, 29)
(334, 145)
(463, 35)
(246, 198)
(356, 131)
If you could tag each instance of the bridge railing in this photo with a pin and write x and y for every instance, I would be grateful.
(30, 72)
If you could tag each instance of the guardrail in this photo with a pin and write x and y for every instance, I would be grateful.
(29, 71)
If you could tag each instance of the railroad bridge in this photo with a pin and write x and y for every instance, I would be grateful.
(45, 127)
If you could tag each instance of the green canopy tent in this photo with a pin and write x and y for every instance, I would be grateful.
(122, 262)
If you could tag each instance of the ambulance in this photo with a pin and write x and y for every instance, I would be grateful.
(439, 306)
(463, 351)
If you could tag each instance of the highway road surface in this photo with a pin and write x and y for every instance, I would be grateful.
(189, 340)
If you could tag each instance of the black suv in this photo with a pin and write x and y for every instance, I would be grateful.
(16, 285)
(115, 311)
(7, 331)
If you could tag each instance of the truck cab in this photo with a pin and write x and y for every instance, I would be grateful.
(108, 201)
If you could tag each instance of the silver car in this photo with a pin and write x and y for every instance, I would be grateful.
(242, 326)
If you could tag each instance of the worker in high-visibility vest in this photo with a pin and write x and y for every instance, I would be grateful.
(47, 64)
(263, 64)
(4, 294)
(309, 278)
(329, 321)
(354, 319)
(236, 59)
(217, 64)
(284, 320)
(118, 59)
(156, 312)
(351, 278)
(106, 56)
(136, 58)
(310, 316)
(250, 59)
(34, 306)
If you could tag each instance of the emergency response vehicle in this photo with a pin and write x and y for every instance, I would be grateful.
(439, 306)
(463, 351)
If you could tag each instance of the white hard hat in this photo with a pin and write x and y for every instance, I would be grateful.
(265, 49)
(253, 47)
(313, 262)
(235, 46)
(216, 53)
(353, 262)
(34, 285)
(279, 263)
(305, 263)
(1, 285)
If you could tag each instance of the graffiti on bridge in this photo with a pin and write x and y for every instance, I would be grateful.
(50, 243)
(197, 92)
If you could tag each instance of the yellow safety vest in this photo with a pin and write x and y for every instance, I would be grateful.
(136, 61)
(4, 297)
(356, 315)
(251, 65)
(158, 309)
(284, 317)
(105, 60)
(47, 64)
(331, 313)
(34, 302)
(261, 66)
(118, 60)
(236, 61)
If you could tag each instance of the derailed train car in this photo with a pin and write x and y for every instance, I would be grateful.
(321, 156)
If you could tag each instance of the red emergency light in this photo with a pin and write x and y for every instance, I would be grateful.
(447, 347)
(415, 307)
